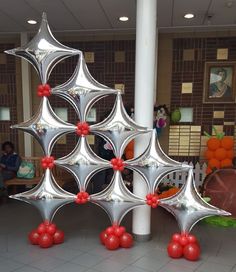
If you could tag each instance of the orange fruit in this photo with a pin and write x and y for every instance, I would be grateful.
(214, 163)
(227, 142)
(226, 163)
(209, 154)
(230, 154)
(220, 154)
(213, 143)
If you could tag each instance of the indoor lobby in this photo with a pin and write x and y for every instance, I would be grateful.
(118, 135)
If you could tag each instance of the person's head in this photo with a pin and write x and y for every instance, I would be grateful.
(222, 73)
(8, 147)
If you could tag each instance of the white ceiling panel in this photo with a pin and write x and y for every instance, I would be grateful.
(89, 13)
(116, 8)
(221, 14)
(66, 15)
(59, 16)
(198, 7)
(164, 13)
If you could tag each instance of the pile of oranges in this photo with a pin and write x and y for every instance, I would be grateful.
(219, 153)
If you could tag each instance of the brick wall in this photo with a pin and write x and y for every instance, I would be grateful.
(191, 69)
(8, 93)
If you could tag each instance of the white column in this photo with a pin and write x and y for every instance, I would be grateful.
(26, 94)
(145, 75)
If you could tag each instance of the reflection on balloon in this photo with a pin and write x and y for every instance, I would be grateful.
(116, 199)
(44, 51)
(153, 165)
(118, 128)
(48, 197)
(82, 90)
(188, 207)
(46, 126)
(83, 163)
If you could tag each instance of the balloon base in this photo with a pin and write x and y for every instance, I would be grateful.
(142, 237)
(46, 235)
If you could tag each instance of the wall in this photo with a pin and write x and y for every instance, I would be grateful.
(190, 55)
(10, 93)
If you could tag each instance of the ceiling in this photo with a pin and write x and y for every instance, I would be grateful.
(87, 15)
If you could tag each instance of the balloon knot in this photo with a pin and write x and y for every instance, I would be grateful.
(82, 197)
(44, 90)
(47, 162)
(82, 129)
(117, 164)
(152, 200)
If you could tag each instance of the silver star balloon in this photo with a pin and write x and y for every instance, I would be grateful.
(46, 126)
(188, 207)
(82, 90)
(43, 51)
(153, 165)
(48, 197)
(83, 163)
(118, 128)
(116, 199)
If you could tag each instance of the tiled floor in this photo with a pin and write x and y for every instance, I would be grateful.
(82, 252)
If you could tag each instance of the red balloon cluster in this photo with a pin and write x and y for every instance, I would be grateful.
(117, 164)
(184, 245)
(152, 200)
(46, 235)
(44, 90)
(47, 162)
(116, 236)
(82, 129)
(82, 198)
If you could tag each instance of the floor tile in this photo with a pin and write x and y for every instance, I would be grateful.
(27, 269)
(70, 267)
(87, 260)
(213, 267)
(9, 265)
(174, 268)
(108, 266)
(151, 263)
(47, 263)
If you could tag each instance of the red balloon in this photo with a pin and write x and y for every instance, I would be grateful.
(45, 240)
(112, 242)
(126, 240)
(183, 240)
(109, 230)
(59, 237)
(192, 252)
(103, 236)
(192, 239)
(41, 228)
(119, 231)
(51, 229)
(34, 237)
(175, 250)
(176, 237)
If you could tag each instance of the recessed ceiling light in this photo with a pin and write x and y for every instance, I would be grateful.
(123, 18)
(189, 15)
(32, 22)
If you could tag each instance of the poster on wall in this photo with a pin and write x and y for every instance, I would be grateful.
(219, 82)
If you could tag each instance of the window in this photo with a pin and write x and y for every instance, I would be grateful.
(62, 113)
(186, 115)
(5, 114)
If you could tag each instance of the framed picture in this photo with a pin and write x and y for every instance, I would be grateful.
(92, 115)
(219, 82)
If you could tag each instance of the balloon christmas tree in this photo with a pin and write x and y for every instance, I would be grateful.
(82, 91)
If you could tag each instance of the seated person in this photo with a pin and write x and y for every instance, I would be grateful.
(9, 164)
